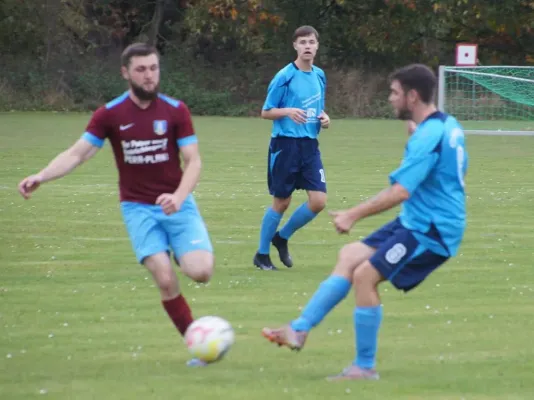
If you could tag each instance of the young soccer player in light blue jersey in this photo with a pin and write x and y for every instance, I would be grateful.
(429, 184)
(295, 103)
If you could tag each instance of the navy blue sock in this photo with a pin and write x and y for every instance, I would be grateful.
(300, 217)
(366, 325)
(330, 292)
(269, 224)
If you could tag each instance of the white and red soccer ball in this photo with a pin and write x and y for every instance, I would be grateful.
(209, 338)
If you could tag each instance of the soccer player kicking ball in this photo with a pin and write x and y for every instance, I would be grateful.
(430, 185)
(295, 103)
(148, 131)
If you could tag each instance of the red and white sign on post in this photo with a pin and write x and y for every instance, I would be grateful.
(466, 54)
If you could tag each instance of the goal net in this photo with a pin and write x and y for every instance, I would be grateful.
(492, 100)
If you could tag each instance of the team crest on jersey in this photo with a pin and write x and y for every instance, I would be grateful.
(160, 127)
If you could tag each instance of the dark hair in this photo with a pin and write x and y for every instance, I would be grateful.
(137, 50)
(305, 30)
(417, 77)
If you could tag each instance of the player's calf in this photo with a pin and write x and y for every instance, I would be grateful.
(167, 282)
(365, 280)
(173, 302)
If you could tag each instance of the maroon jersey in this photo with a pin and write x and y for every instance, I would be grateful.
(145, 143)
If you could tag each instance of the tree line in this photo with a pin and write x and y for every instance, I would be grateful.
(64, 54)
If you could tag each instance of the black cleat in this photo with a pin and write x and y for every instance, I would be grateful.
(263, 262)
(281, 245)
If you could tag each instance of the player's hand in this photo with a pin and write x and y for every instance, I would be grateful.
(343, 220)
(169, 202)
(298, 115)
(29, 185)
(325, 120)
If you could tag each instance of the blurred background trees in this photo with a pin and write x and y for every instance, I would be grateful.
(219, 55)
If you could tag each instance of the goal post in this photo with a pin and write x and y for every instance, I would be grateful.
(491, 100)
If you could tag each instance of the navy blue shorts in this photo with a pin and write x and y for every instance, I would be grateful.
(400, 258)
(293, 164)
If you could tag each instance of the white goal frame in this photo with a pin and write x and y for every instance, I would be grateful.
(470, 70)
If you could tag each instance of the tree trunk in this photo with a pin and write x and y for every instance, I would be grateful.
(157, 17)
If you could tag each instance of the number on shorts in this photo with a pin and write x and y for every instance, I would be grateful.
(395, 254)
(323, 178)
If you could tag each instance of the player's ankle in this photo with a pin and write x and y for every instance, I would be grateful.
(281, 235)
(301, 325)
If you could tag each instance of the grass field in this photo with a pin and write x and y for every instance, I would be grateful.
(79, 319)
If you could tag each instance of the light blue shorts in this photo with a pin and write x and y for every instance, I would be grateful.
(151, 231)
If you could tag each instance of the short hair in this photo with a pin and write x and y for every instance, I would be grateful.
(305, 30)
(137, 50)
(417, 77)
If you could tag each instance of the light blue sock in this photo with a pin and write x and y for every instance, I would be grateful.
(300, 217)
(330, 292)
(270, 222)
(366, 325)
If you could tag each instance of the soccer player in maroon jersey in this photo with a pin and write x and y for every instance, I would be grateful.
(148, 132)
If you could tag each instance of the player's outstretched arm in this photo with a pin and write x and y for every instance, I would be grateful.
(60, 166)
(171, 202)
(383, 201)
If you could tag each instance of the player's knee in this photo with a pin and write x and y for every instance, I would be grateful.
(346, 262)
(317, 202)
(346, 256)
(350, 257)
(199, 267)
(203, 273)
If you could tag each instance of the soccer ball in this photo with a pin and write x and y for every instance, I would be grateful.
(209, 338)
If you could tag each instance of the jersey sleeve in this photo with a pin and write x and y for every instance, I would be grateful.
(275, 92)
(97, 128)
(185, 132)
(421, 156)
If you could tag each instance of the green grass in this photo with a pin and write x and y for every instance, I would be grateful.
(79, 319)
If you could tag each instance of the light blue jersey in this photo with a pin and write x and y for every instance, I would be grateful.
(432, 171)
(294, 88)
